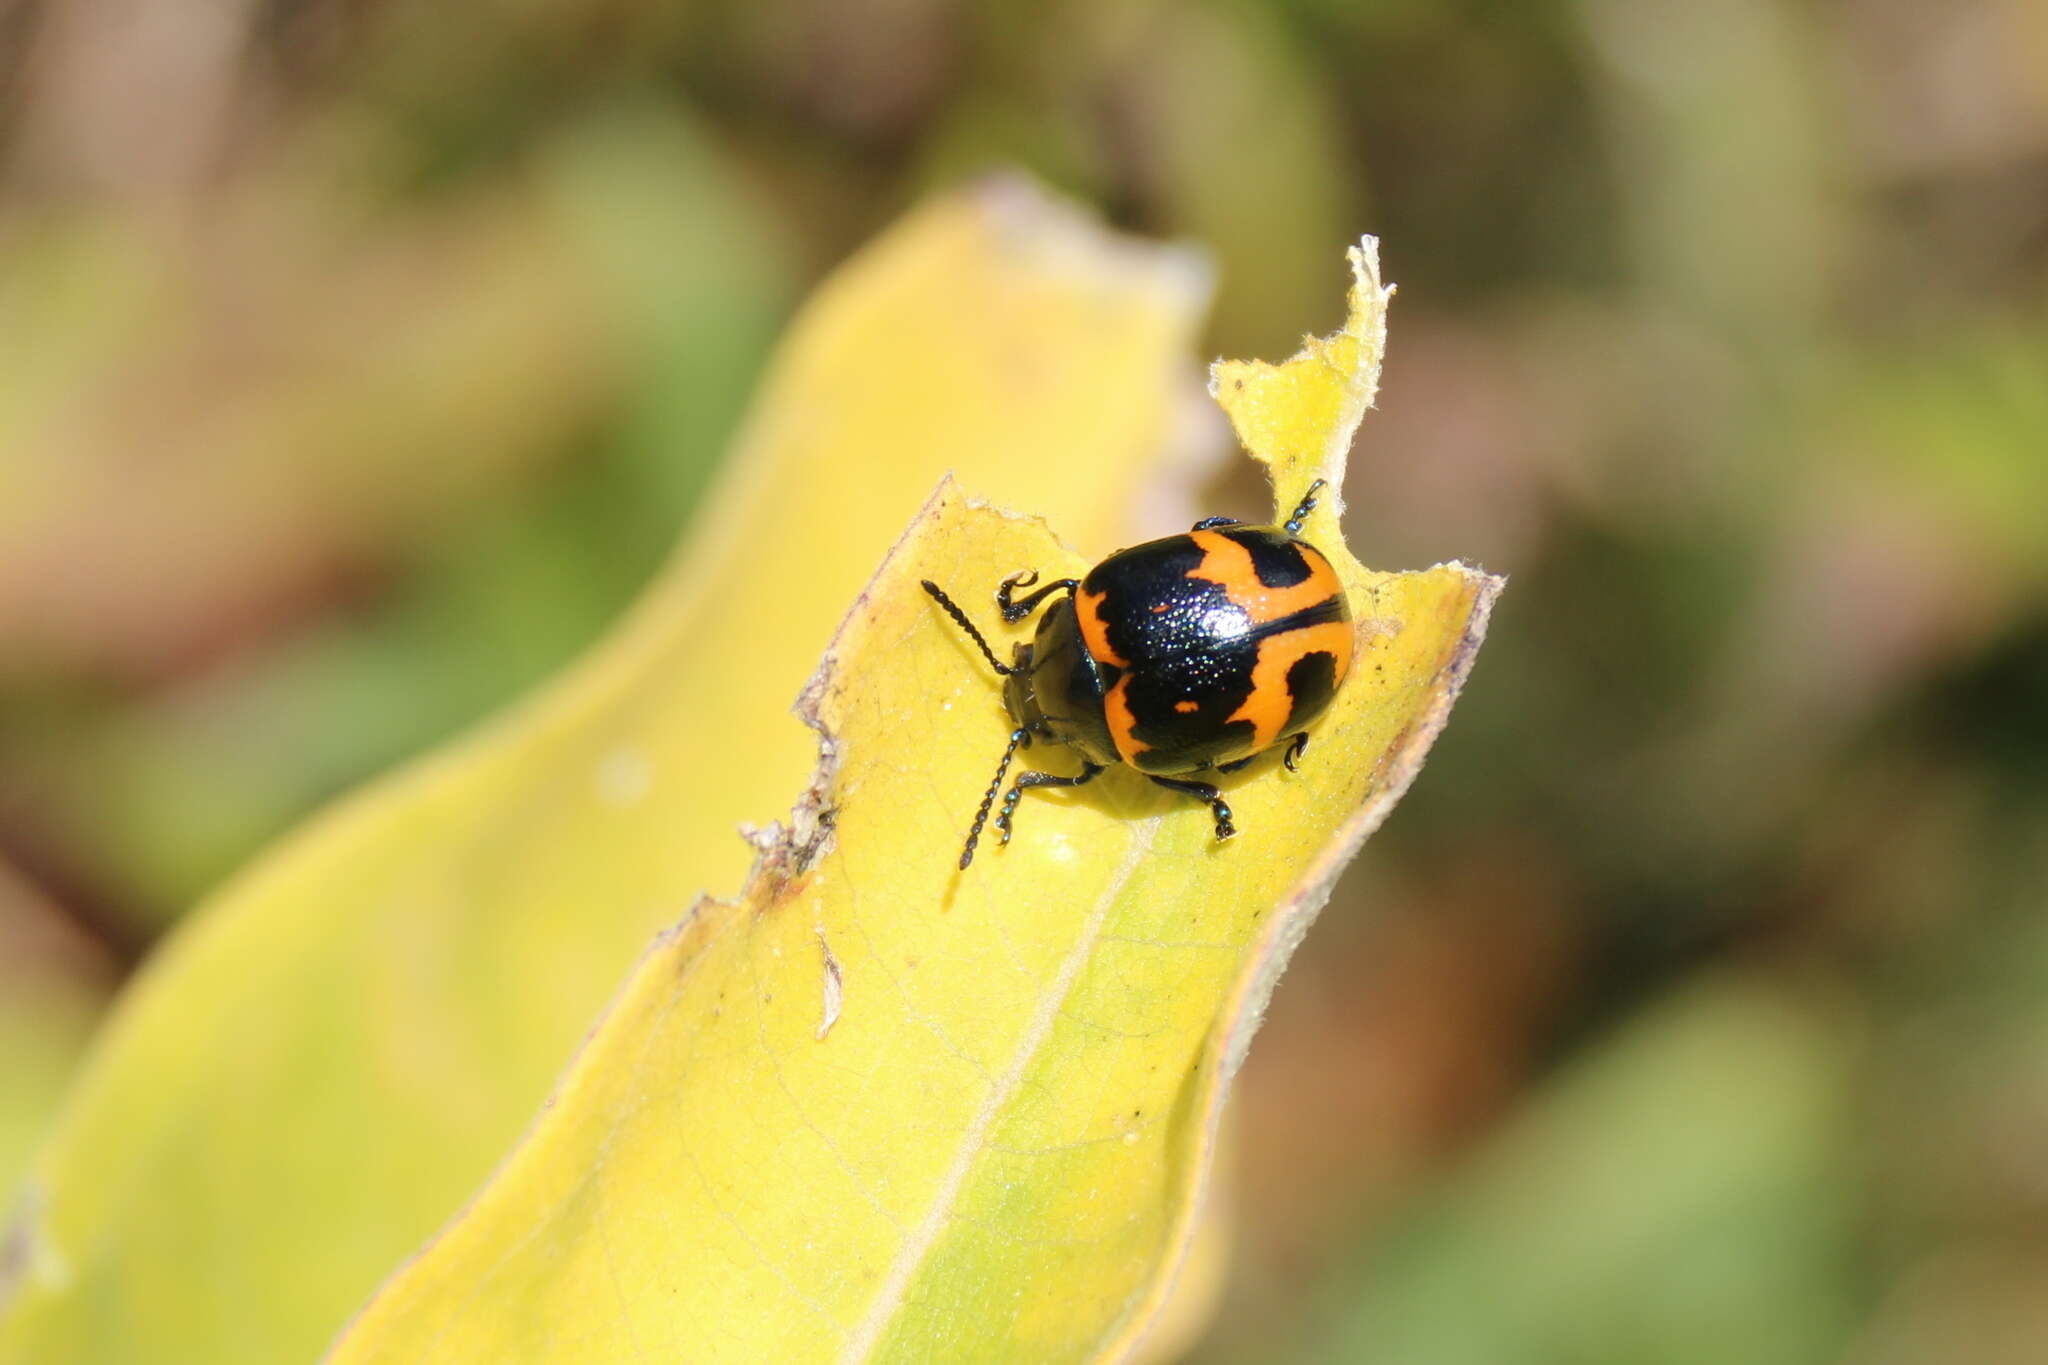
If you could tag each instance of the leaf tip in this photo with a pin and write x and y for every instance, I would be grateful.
(1029, 219)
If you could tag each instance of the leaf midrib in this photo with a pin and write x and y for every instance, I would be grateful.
(895, 1288)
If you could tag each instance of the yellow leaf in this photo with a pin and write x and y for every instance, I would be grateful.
(312, 1076)
(877, 1108)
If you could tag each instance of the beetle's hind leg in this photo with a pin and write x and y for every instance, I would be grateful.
(1008, 812)
(1304, 507)
(1202, 791)
(1296, 746)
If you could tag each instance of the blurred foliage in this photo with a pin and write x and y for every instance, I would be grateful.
(53, 984)
(357, 1028)
(349, 381)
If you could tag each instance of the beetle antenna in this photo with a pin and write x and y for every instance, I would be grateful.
(1304, 507)
(1017, 736)
(960, 618)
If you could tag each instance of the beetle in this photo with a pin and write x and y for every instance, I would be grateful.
(1188, 654)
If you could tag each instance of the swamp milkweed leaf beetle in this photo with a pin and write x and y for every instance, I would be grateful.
(1188, 654)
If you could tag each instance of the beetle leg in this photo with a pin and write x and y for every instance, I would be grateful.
(1008, 812)
(960, 619)
(1303, 508)
(1297, 745)
(1202, 791)
(1017, 611)
(1211, 523)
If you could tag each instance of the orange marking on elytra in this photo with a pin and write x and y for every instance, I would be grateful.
(1230, 565)
(1116, 709)
(1270, 703)
(1088, 610)
(1186, 707)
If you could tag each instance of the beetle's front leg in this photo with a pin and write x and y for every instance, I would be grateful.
(1036, 779)
(1014, 611)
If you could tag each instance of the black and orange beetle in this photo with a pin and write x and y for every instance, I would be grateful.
(1187, 654)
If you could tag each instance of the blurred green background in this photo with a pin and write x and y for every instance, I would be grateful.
(359, 360)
